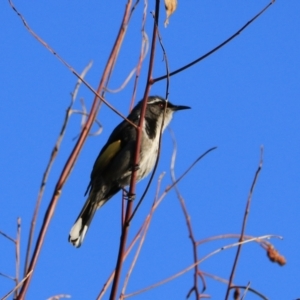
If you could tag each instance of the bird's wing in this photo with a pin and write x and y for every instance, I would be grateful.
(105, 157)
(117, 141)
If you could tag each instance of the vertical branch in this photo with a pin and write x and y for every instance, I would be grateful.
(136, 160)
(138, 235)
(161, 128)
(244, 223)
(17, 242)
(145, 225)
(75, 152)
(143, 52)
(111, 277)
(189, 226)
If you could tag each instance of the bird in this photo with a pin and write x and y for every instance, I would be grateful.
(113, 167)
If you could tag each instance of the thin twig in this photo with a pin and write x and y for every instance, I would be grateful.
(222, 280)
(217, 278)
(169, 187)
(8, 237)
(247, 209)
(145, 43)
(85, 112)
(250, 290)
(161, 128)
(140, 231)
(144, 51)
(18, 285)
(166, 62)
(215, 49)
(48, 47)
(57, 297)
(134, 7)
(190, 167)
(128, 250)
(144, 48)
(18, 242)
(99, 131)
(263, 243)
(52, 158)
(245, 291)
(8, 276)
(197, 272)
(144, 233)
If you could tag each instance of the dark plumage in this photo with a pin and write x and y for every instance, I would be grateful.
(113, 166)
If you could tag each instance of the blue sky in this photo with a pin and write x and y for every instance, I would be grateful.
(243, 96)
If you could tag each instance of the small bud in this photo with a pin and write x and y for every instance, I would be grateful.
(170, 6)
(274, 256)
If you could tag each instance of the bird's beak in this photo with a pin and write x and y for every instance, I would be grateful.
(176, 107)
(180, 107)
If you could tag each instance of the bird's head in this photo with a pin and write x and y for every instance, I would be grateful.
(157, 110)
(158, 107)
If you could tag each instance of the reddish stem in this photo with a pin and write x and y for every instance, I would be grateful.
(125, 229)
(244, 225)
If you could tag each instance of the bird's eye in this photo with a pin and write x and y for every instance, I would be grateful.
(161, 105)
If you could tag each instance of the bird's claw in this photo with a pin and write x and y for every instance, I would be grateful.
(136, 167)
(128, 196)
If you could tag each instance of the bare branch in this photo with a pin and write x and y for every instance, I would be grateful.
(197, 272)
(263, 243)
(144, 51)
(85, 114)
(128, 250)
(18, 242)
(18, 285)
(48, 47)
(7, 276)
(245, 291)
(57, 297)
(144, 233)
(160, 132)
(136, 160)
(8, 237)
(222, 280)
(244, 222)
(217, 278)
(138, 235)
(145, 45)
(215, 49)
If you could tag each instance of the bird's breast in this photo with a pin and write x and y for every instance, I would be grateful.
(148, 155)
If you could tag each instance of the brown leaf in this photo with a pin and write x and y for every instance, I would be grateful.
(170, 6)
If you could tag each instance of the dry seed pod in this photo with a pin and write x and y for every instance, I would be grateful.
(170, 6)
(274, 256)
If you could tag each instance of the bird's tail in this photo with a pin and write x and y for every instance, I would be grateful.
(82, 223)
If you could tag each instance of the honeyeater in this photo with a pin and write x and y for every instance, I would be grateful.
(113, 167)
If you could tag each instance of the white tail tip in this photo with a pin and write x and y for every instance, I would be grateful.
(77, 233)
